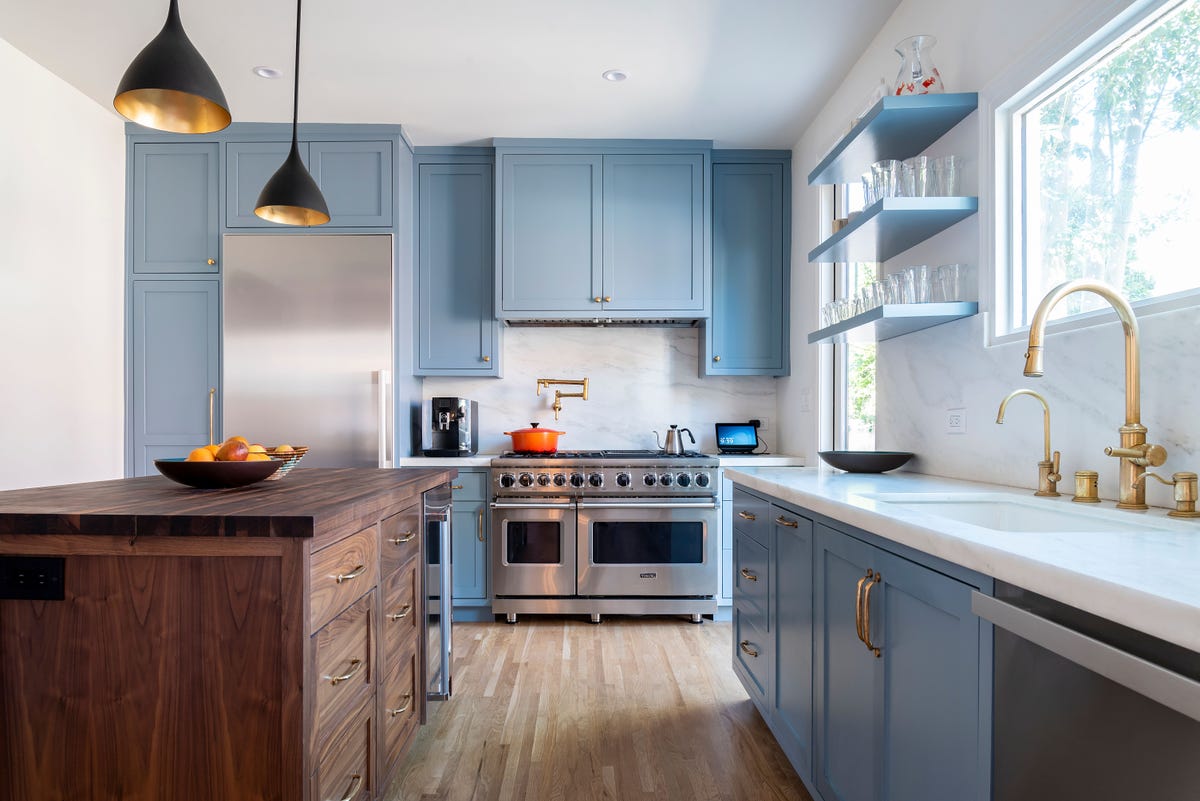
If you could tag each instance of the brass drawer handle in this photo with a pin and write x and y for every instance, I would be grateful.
(409, 536)
(487, 358)
(479, 526)
(456, 486)
(858, 615)
(608, 298)
(407, 703)
(746, 574)
(716, 358)
(747, 515)
(872, 647)
(596, 299)
(212, 261)
(745, 646)
(783, 521)
(355, 666)
(352, 790)
(403, 613)
(353, 574)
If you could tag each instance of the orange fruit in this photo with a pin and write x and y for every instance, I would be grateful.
(257, 449)
(200, 455)
(284, 449)
(242, 440)
(255, 456)
(212, 449)
(232, 451)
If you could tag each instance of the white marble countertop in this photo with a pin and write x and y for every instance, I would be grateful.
(484, 459)
(1146, 577)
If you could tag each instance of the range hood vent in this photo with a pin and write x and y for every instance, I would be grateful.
(604, 322)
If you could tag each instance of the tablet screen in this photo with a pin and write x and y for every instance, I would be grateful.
(736, 437)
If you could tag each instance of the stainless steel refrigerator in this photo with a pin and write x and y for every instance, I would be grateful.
(307, 345)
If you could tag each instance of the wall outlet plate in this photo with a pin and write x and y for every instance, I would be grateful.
(31, 578)
(956, 421)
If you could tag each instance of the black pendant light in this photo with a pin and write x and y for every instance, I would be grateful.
(291, 196)
(170, 87)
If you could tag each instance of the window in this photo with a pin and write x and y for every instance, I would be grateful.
(1103, 152)
(853, 364)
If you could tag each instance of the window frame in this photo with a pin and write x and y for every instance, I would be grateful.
(1076, 47)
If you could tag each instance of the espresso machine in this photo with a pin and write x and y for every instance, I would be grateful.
(450, 427)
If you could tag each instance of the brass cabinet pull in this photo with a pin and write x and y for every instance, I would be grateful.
(355, 781)
(872, 647)
(355, 573)
(212, 261)
(783, 521)
(487, 358)
(745, 646)
(858, 615)
(608, 298)
(596, 299)
(355, 666)
(409, 536)
(456, 486)
(746, 574)
(479, 526)
(716, 358)
(747, 515)
(403, 613)
(407, 703)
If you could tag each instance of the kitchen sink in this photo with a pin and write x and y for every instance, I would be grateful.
(1015, 514)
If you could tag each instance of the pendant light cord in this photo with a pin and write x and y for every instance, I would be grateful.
(296, 80)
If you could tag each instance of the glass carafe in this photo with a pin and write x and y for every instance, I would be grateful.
(917, 75)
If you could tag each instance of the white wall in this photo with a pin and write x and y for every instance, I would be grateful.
(640, 379)
(62, 211)
(922, 375)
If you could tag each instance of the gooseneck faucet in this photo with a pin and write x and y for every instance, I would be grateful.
(1048, 475)
(1135, 454)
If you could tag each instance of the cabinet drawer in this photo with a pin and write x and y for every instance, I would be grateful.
(400, 538)
(752, 655)
(399, 707)
(401, 610)
(341, 574)
(343, 668)
(346, 771)
(751, 577)
(751, 515)
(470, 485)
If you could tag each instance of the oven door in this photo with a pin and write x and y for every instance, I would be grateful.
(648, 548)
(533, 547)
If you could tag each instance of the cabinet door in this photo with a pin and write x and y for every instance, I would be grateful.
(930, 716)
(793, 615)
(550, 233)
(356, 180)
(457, 332)
(469, 550)
(654, 233)
(748, 332)
(176, 336)
(848, 676)
(175, 225)
(248, 167)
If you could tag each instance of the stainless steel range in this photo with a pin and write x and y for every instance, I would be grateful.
(604, 532)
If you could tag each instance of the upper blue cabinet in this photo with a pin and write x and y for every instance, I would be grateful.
(175, 226)
(591, 229)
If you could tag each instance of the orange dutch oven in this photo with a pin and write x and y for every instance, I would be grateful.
(534, 439)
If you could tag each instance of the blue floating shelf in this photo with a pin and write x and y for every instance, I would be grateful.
(894, 128)
(886, 322)
(891, 226)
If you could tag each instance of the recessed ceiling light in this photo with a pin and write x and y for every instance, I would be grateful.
(614, 75)
(268, 72)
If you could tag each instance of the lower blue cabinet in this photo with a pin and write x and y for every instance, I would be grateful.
(792, 702)
(469, 537)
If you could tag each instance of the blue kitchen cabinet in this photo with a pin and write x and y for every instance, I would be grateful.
(654, 233)
(456, 328)
(174, 224)
(174, 355)
(248, 167)
(792, 599)
(469, 537)
(748, 333)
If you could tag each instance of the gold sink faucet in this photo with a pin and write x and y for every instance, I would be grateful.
(1135, 453)
(1048, 475)
(1185, 492)
(546, 383)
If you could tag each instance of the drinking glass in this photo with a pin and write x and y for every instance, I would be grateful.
(947, 173)
(885, 174)
(868, 183)
(906, 186)
(922, 285)
(917, 176)
(893, 291)
(908, 290)
(949, 278)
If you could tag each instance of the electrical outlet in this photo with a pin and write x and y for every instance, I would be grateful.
(956, 421)
(764, 424)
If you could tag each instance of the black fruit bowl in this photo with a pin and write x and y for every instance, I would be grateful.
(865, 461)
(216, 475)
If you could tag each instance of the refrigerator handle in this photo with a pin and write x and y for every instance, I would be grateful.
(385, 384)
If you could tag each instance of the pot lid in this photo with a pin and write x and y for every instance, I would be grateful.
(533, 429)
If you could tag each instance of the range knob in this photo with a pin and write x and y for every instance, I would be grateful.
(666, 479)
(649, 479)
(577, 479)
(507, 480)
(596, 480)
(526, 480)
(683, 480)
(560, 480)
(543, 479)
(623, 480)
(702, 479)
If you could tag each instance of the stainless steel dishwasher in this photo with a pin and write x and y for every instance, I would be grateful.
(438, 601)
(1086, 709)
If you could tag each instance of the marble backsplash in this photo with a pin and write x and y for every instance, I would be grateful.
(640, 380)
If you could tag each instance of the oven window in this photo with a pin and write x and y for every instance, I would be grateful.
(633, 543)
(534, 542)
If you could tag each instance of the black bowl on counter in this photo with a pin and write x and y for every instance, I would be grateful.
(865, 461)
(216, 475)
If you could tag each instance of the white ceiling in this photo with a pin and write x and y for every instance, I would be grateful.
(746, 73)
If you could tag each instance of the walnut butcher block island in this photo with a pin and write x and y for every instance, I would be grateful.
(255, 643)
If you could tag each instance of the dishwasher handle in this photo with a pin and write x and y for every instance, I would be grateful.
(1157, 683)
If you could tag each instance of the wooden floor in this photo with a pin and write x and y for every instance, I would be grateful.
(558, 709)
